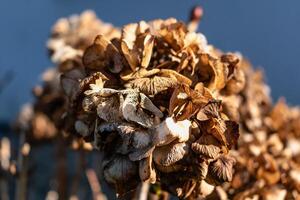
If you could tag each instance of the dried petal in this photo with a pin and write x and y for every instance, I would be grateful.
(132, 112)
(220, 170)
(170, 154)
(146, 170)
(207, 146)
(169, 130)
(185, 102)
(102, 53)
(121, 173)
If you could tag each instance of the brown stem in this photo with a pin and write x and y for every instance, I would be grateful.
(95, 185)
(4, 167)
(142, 191)
(24, 150)
(80, 168)
(61, 169)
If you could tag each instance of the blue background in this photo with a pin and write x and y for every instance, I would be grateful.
(265, 31)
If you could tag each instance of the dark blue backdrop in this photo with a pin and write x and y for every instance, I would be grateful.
(265, 31)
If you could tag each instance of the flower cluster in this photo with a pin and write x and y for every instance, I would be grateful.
(267, 157)
(156, 100)
(165, 107)
(42, 120)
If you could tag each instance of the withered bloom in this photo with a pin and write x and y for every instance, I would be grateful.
(149, 99)
(45, 118)
(167, 108)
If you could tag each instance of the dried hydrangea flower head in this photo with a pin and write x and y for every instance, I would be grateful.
(149, 99)
(164, 107)
(43, 120)
(267, 158)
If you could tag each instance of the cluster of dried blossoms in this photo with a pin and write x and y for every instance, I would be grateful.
(70, 36)
(164, 107)
(42, 121)
(268, 165)
(157, 101)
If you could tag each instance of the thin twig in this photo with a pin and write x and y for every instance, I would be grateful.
(24, 150)
(95, 185)
(6, 79)
(77, 177)
(5, 126)
(142, 191)
(196, 15)
(4, 189)
(61, 169)
(5, 162)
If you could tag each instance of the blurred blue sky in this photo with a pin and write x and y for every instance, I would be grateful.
(267, 32)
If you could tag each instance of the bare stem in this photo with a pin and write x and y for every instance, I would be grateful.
(61, 169)
(95, 185)
(142, 191)
(22, 164)
(77, 177)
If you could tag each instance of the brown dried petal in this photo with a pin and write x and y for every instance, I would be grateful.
(212, 72)
(109, 109)
(176, 76)
(231, 133)
(136, 46)
(174, 35)
(185, 102)
(169, 154)
(210, 110)
(202, 169)
(152, 86)
(237, 82)
(232, 60)
(120, 172)
(141, 139)
(70, 86)
(129, 75)
(207, 146)
(102, 53)
(139, 154)
(226, 132)
(220, 170)
(169, 130)
(169, 169)
(274, 192)
(132, 109)
(268, 170)
(146, 170)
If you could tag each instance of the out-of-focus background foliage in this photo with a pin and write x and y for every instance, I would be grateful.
(267, 32)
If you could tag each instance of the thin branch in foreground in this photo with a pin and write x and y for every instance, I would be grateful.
(142, 191)
(95, 185)
(6, 79)
(24, 151)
